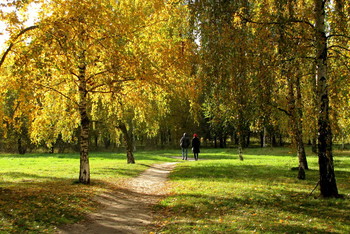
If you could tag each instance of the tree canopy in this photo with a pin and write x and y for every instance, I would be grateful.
(151, 70)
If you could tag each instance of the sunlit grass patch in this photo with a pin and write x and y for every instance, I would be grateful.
(38, 192)
(260, 194)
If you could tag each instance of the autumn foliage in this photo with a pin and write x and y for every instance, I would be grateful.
(92, 71)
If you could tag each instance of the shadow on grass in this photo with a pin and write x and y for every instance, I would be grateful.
(216, 227)
(262, 198)
(41, 207)
(235, 172)
(260, 212)
(261, 174)
(26, 176)
(233, 152)
(21, 177)
(37, 207)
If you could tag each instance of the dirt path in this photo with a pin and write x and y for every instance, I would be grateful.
(127, 210)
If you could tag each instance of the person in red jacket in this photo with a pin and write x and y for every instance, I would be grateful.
(195, 146)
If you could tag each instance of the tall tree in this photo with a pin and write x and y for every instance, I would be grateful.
(16, 98)
(338, 38)
(328, 185)
(84, 54)
(291, 74)
(225, 64)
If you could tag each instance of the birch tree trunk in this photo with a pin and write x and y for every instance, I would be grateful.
(328, 185)
(294, 90)
(129, 141)
(297, 130)
(84, 174)
(299, 123)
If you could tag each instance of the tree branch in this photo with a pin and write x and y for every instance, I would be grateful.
(96, 74)
(12, 43)
(308, 57)
(110, 83)
(281, 109)
(338, 35)
(59, 92)
(276, 22)
(340, 47)
(341, 54)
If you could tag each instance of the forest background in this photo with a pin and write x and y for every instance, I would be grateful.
(106, 75)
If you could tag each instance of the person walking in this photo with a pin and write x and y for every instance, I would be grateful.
(195, 146)
(184, 143)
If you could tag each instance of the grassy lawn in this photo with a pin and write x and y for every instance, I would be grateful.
(38, 192)
(221, 194)
(260, 194)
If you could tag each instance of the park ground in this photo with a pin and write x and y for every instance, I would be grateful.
(217, 194)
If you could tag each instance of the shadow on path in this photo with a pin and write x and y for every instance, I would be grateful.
(127, 210)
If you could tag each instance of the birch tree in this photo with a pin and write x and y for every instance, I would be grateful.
(85, 55)
(328, 185)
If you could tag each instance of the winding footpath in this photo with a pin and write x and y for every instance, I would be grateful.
(129, 209)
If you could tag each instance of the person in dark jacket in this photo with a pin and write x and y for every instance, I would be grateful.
(184, 143)
(195, 146)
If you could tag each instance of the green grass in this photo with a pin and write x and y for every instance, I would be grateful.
(260, 194)
(218, 195)
(38, 192)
